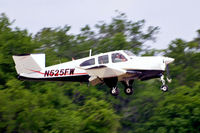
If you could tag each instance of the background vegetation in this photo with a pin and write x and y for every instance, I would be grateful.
(73, 107)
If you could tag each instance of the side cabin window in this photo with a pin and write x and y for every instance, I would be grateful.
(117, 57)
(103, 59)
(88, 62)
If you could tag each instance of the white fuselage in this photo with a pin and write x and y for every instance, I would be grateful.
(74, 68)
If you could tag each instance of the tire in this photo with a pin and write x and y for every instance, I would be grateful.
(128, 90)
(164, 88)
(114, 91)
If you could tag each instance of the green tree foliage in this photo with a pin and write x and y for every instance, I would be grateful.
(12, 41)
(124, 34)
(178, 112)
(120, 33)
(25, 111)
(187, 55)
(56, 43)
(98, 116)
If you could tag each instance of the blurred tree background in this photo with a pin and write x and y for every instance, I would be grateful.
(56, 107)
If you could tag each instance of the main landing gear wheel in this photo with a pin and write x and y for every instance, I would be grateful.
(114, 91)
(164, 88)
(112, 83)
(128, 90)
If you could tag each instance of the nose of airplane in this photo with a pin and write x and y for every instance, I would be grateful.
(168, 60)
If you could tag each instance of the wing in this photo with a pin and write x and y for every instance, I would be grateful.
(98, 73)
(105, 71)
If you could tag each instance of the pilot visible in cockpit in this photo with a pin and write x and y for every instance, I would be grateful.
(119, 58)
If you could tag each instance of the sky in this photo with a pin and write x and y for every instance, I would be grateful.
(176, 18)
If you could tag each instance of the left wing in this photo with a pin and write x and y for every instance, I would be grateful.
(99, 72)
(105, 71)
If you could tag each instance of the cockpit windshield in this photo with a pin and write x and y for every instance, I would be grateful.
(129, 53)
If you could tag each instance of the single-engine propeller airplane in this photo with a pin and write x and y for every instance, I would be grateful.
(108, 68)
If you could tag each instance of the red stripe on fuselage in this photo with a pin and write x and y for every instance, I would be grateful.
(36, 71)
(60, 75)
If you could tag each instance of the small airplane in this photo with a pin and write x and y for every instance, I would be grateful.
(108, 68)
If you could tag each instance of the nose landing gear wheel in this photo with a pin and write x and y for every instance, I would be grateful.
(114, 91)
(164, 88)
(128, 90)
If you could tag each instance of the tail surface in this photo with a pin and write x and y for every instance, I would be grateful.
(28, 63)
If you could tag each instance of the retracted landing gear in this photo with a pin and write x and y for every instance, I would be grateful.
(164, 87)
(128, 90)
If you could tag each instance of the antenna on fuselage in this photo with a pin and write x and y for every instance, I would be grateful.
(90, 53)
